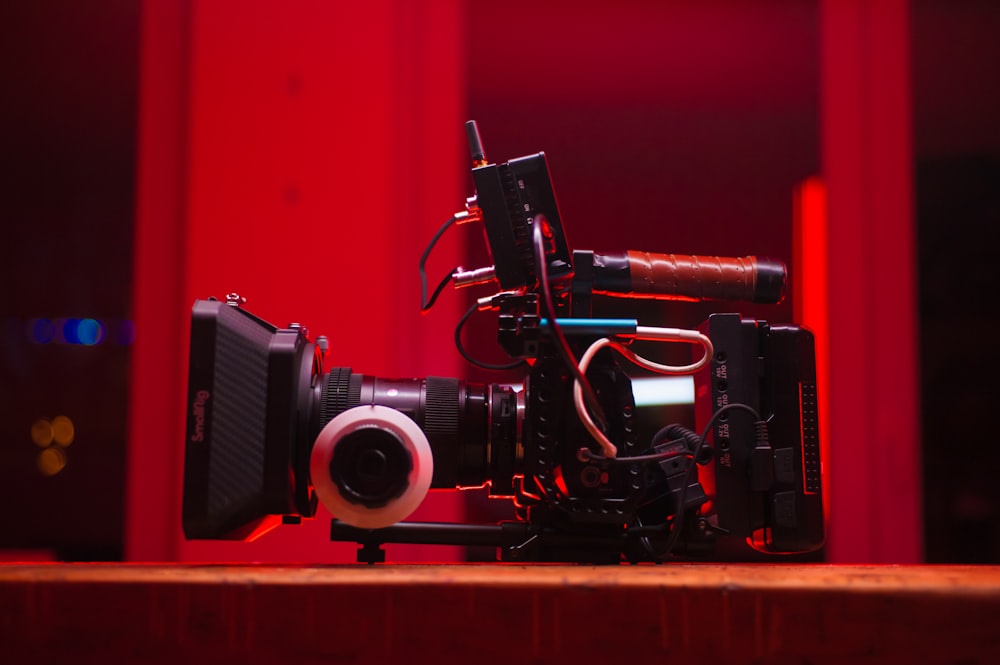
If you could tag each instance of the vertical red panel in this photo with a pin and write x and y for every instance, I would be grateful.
(320, 152)
(811, 293)
(152, 508)
(867, 165)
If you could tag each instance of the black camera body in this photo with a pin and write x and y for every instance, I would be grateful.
(271, 431)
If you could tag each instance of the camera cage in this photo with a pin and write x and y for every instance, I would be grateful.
(267, 423)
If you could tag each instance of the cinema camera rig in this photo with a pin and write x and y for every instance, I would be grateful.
(270, 431)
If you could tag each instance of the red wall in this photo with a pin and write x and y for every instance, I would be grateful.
(301, 155)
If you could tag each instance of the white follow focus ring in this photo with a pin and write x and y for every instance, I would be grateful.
(414, 441)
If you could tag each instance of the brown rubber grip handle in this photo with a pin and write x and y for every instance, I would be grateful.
(687, 277)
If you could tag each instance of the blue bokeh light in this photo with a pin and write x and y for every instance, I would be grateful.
(68, 330)
(83, 332)
(41, 331)
(78, 331)
(126, 333)
(89, 332)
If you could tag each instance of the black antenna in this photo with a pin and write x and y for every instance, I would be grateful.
(475, 144)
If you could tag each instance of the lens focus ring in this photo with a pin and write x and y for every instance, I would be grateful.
(336, 396)
(441, 413)
(363, 487)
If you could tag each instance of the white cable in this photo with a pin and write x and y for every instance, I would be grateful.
(672, 335)
(581, 409)
(646, 333)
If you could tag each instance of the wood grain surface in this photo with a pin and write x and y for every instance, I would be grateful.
(692, 613)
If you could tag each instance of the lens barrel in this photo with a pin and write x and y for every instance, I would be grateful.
(471, 428)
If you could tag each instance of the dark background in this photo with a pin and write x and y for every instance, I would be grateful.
(632, 154)
(68, 145)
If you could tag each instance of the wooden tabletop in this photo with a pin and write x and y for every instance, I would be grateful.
(693, 613)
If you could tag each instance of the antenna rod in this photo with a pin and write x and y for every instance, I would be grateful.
(475, 144)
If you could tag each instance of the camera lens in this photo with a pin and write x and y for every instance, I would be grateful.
(471, 429)
(371, 466)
